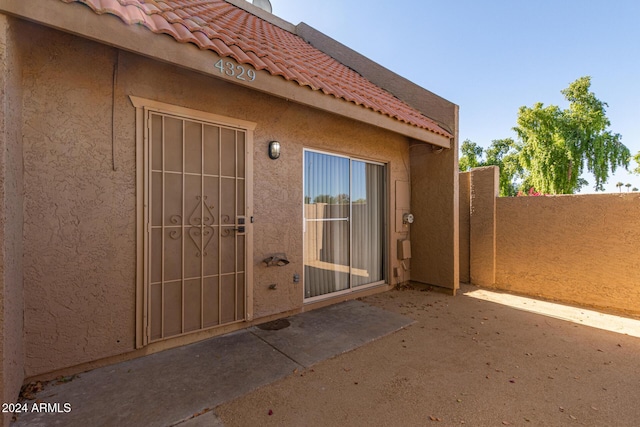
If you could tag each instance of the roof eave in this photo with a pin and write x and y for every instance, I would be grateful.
(429, 104)
(78, 19)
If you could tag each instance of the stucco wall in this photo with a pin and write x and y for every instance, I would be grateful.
(79, 214)
(484, 190)
(278, 186)
(434, 232)
(11, 297)
(464, 211)
(435, 204)
(80, 217)
(580, 249)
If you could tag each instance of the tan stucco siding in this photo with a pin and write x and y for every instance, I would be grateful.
(278, 187)
(11, 296)
(464, 211)
(435, 205)
(484, 190)
(79, 230)
(80, 213)
(577, 249)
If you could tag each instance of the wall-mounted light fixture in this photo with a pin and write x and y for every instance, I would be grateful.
(274, 150)
(437, 150)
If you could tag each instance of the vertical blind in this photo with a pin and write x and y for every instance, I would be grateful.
(344, 223)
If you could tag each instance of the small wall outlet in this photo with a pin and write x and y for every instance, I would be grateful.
(296, 278)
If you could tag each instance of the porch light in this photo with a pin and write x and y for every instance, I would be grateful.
(274, 150)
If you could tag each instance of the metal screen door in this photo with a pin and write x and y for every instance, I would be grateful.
(196, 246)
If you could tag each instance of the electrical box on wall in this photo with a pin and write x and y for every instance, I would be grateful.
(404, 249)
(403, 205)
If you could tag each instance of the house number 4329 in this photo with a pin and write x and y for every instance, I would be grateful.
(237, 71)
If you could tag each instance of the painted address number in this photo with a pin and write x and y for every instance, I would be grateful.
(237, 71)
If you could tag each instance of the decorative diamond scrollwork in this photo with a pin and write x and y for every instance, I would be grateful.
(207, 218)
(201, 237)
(201, 220)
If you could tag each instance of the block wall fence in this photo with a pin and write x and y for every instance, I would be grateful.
(577, 249)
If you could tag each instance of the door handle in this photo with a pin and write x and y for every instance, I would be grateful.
(240, 228)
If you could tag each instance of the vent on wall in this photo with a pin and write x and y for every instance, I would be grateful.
(263, 4)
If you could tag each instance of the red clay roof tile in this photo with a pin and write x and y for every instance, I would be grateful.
(231, 31)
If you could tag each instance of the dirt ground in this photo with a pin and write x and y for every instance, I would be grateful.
(463, 362)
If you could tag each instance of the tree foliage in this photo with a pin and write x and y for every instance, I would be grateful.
(340, 199)
(470, 155)
(637, 159)
(502, 153)
(555, 146)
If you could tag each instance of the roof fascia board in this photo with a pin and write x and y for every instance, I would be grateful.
(431, 105)
(78, 19)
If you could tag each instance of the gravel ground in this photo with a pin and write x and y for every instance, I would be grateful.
(464, 362)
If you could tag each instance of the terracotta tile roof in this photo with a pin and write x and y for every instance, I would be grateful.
(231, 31)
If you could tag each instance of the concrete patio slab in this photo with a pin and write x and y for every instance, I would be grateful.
(320, 334)
(171, 387)
(209, 419)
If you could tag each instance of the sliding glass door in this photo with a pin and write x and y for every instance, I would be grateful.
(344, 234)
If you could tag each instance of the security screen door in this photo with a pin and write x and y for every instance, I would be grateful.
(196, 242)
(343, 224)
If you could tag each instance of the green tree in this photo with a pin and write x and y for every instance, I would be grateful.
(342, 199)
(637, 159)
(628, 186)
(324, 198)
(556, 144)
(504, 153)
(619, 185)
(470, 156)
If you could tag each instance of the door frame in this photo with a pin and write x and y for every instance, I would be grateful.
(385, 235)
(142, 107)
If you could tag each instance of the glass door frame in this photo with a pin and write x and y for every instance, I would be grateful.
(385, 225)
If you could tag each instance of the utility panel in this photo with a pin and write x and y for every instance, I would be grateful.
(404, 249)
(403, 205)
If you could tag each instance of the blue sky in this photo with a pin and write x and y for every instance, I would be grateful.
(491, 57)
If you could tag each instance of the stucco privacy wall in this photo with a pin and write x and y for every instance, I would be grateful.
(580, 249)
(11, 302)
(80, 216)
(483, 192)
(464, 212)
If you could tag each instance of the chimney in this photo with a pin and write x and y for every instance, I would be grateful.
(263, 4)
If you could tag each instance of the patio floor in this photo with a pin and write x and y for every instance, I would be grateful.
(174, 386)
(465, 361)
(477, 359)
